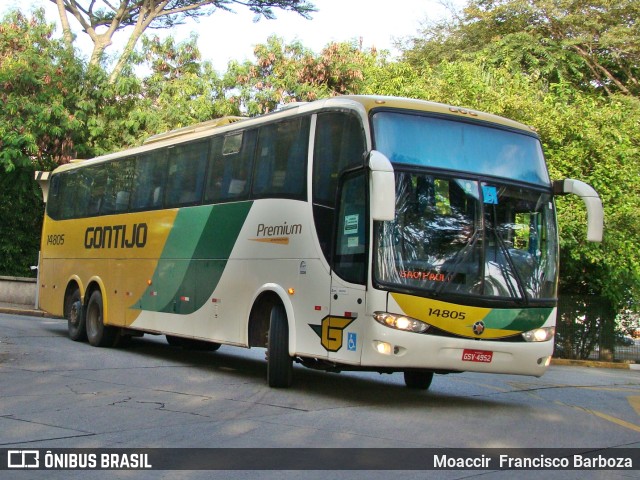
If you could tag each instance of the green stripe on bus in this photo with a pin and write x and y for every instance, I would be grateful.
(194, 257)
(521, 320)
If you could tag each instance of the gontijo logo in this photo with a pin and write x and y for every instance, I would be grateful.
(116, 236)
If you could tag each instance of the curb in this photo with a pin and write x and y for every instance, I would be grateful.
(594, 364)
(24, 311)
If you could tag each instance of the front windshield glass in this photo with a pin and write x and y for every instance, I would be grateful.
(462, 146)
(470, 237)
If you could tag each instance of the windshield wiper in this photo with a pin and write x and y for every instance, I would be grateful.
(459, 258)
(512, 267)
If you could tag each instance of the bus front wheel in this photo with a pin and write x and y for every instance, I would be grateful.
(279, 363)
(98, 333)
(75, 317)
(418, 380)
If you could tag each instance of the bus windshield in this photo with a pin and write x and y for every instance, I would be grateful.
(453, 145)
(465, 234)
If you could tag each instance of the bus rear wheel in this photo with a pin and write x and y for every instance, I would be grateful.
(74, 313)
(98, 333)
(417, 379)
(279, 363)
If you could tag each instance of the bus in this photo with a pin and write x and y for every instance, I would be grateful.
(351, 233)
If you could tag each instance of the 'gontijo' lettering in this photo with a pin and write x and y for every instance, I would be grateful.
(116, 236)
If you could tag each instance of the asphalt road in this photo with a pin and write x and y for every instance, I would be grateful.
(55, 393)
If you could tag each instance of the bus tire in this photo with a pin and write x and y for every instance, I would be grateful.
(279, 363)
(98, 334)
(418, 380)
(74, 313)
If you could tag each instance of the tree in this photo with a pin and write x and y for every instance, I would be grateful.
(38, 121)
(39, 128)
(101, 19)
(592, 44)
(180, 89)
(288, 73)
(21, 210)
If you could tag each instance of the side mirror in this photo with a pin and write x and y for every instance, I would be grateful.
(382, 185)
(595, 212)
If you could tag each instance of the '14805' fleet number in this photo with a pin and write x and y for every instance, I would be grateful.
(55, 239)
(444, 313)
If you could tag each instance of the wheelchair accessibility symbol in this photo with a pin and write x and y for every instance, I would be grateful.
(352, 341)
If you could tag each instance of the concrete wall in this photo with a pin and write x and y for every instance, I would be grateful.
(18, 290)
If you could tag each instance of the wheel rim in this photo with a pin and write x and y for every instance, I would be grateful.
(74, 314)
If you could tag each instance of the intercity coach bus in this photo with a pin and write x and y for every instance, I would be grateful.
(351, 233)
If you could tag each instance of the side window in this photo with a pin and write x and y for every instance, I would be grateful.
(98, 181)
(231, 165)
(281, 159)
(149, 180)
(83, 188)
(339, 144)
(350, 261)
(70, 183)
(117, 186)
(62, 195)
(54, 198)
(185, 181)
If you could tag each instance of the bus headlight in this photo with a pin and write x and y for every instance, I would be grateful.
(539, 334)
(400, 322)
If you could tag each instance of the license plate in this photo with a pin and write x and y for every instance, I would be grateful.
(482, 356)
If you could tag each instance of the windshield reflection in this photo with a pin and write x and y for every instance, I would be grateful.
(461, 236)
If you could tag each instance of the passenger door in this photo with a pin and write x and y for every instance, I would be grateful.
(342, 330)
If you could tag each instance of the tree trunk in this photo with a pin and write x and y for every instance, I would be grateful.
(64, 21)
(144, 20)
(126, 53)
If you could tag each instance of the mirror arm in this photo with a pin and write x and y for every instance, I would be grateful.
(591, 199)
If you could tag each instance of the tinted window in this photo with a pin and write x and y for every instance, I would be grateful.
(231, 165)
(149, 180)
(455, 145)
(339, 144)
(116, 185)
(281, 159)
(185, 181)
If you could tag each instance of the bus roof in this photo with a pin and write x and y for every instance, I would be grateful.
(363, 103)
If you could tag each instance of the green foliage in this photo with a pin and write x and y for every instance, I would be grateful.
(21, 210)
(39, 127)
(181, 89)
(38, 75)
(598, 144)
(283, 73)
(592, 44)
(585, 328)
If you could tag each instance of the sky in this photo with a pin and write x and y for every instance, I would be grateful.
(228, 36)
